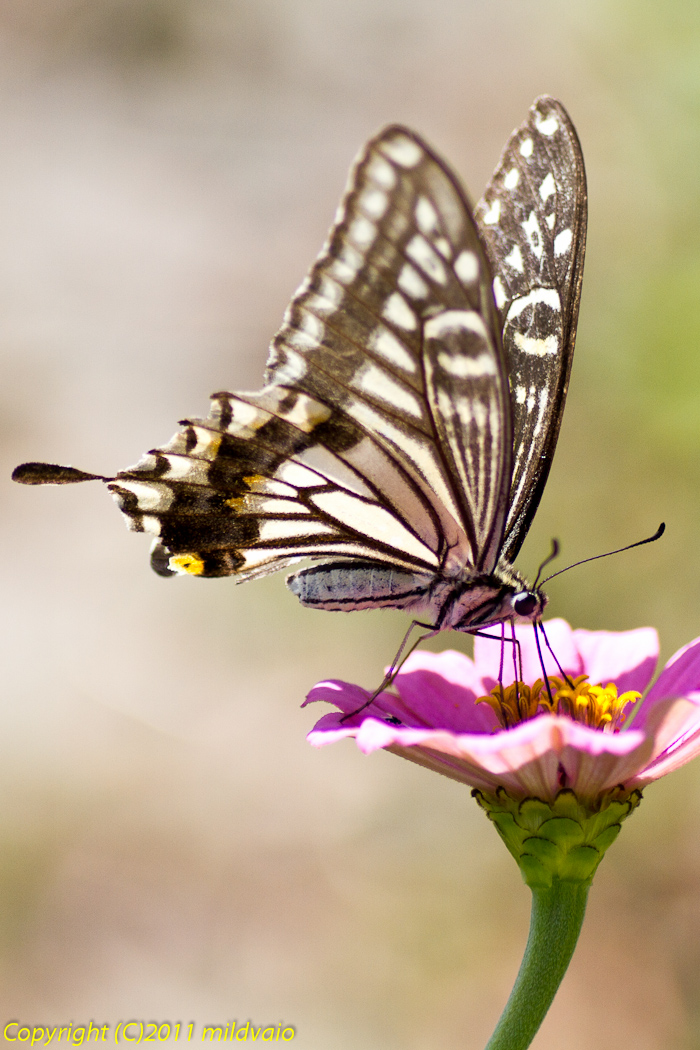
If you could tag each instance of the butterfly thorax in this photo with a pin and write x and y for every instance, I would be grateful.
(480, 599)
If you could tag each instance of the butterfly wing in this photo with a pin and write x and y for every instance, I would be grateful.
(384, 429)
(532, 220)
(388, 432)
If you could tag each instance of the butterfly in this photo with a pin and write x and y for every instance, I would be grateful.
(412, 399)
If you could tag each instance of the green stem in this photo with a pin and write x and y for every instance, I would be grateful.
(555, 923)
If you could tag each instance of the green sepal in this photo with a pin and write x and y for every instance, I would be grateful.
(564, 839)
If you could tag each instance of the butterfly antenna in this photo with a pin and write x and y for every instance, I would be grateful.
(640, 543)
(550, 557)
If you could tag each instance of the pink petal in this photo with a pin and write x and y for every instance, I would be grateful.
(528, 760)
(680, 676)
(487, 654)
(627, 658)
(675, 726)
(441, 689)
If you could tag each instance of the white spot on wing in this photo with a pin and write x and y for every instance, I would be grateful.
(333, 469)
(374, 202)
(423, 255)
(499, 292)
(256, 504)
(311, 325)
(520, 395)
(299, 477)
(526, 147)
(548, 296)
(327, 299)
(454, 320)
(444, 247)
(493, 214)
(547, 187)
(515, 259)
(467, 267)
(562, 242)
(397, 310)
(306, 413)
(207, 443)
(181, 467)
(426, 216)
(550, 220)
(362, 232)
(384, 342)
(532, 231)
(246, 418)
(148, 497)
(402, 151)
(511, 179)
(382, 172)
(150, 524)
(346, 265)
(294, 365)
(378, 383)
(546, 125)
(546, 347)
(463, 366)
(412, 283)
(287, 528)
(543, 405)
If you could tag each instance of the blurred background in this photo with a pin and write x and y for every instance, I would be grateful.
(170, 846)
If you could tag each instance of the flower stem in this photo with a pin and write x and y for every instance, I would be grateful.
(555, 923)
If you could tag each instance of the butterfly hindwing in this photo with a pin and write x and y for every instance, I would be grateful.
(232, 495)
(532, 219)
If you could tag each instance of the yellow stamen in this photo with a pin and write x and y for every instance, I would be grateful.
(596, 706)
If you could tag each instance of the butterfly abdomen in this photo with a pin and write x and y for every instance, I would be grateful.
(346, 585)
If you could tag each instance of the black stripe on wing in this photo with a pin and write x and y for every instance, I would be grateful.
(532, 220)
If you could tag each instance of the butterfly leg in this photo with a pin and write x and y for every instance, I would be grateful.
(517, 653)
(396, 664)
(544, 672)
(563, 673)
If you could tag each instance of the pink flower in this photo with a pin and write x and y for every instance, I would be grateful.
(432, 717)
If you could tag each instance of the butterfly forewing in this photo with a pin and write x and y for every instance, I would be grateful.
(395, 328)
(532, 219)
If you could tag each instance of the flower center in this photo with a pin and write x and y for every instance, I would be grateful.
(596, 706)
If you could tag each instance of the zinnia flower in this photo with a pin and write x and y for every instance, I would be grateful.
(557, 766)
(557, 762)
(445, 711)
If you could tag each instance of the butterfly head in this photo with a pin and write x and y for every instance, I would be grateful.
(528, 605)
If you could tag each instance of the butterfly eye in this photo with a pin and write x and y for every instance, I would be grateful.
(525, 603)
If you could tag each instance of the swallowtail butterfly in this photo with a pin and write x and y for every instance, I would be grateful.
(412, 399)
